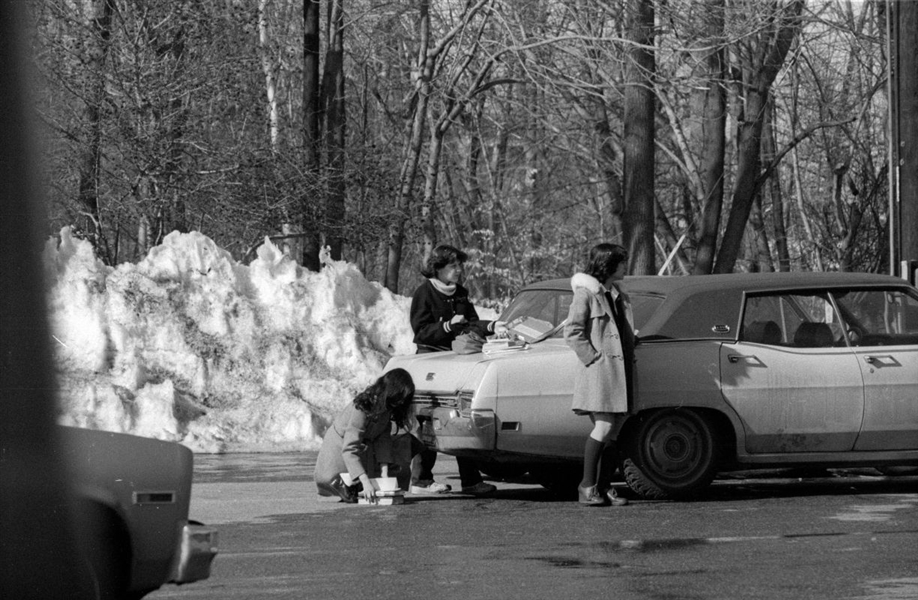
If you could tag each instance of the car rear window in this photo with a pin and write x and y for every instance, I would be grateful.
(554, 305)
(546, 305)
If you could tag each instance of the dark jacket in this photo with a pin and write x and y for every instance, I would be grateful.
(431, 310)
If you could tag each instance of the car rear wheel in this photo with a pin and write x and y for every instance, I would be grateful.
(670, 454)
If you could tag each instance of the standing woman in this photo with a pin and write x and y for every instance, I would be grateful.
(600, 330)
(440, 311)
(359, 441)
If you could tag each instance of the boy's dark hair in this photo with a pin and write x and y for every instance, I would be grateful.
(604, 260)
(396, 389)
(441, 256)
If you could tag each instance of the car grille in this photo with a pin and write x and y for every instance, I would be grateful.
(434, 399)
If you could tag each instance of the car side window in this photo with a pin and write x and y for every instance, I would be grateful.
(802, 320)
(879, 317)
(761, 321)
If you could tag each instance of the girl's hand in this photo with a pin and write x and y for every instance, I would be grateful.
(500, 329)
(368, 492)
(457, 319)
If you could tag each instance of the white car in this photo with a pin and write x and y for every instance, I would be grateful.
(737, 371)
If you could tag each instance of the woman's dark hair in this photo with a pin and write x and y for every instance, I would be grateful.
(604, 260)
(441, 256)
(396, 389)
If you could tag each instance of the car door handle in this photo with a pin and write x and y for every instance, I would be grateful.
(735, 358)
(885, 359)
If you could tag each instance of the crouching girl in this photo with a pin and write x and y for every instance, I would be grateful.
(359, 441)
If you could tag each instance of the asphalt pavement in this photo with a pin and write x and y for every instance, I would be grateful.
(833, 534)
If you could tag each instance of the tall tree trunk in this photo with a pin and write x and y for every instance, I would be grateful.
(335, 130)
(267, 67)
(639, 138)
(712, 106)
(96, 51)
(423, 70)
(607, 162)
(176, 218)
(495, 220)
(760, 238)
(774, 192)
(312, 93)
(758, 75)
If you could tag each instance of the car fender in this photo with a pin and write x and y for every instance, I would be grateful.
(684, 374)
(145, 482)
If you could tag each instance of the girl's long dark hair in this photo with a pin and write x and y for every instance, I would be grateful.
(604, 260)
(396, 390)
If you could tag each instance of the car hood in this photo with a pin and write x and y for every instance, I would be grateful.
(448, 372)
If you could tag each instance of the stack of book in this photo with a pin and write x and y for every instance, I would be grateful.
(386, 498)
(493, 346)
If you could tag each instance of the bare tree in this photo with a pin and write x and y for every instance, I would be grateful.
(639, 138)
(428, 57)
(759, 60)
(95, 52)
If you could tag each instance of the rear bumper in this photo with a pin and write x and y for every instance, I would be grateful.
(197, 550)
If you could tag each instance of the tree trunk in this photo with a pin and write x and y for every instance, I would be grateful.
(774, 192)
(96, 51)
(424, 68)
(607, 159)
(639, 139)
(311, 131)
(267, 67)
(335, 130)
(176, 218)
(760, 238)
(712, 102)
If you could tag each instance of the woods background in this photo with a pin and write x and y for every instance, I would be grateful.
(731, 135)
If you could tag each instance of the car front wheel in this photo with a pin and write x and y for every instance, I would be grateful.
(670, 454)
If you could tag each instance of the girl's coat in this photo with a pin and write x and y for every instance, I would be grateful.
(600, 384)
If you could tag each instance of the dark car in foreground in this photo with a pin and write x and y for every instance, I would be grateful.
(133, 496)
(733, 372)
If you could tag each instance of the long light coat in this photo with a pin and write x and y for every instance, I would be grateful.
(356, 443)
(600, 384)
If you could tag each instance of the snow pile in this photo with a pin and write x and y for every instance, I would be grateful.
(191, 346)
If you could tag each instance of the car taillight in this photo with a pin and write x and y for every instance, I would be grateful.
(464, 402)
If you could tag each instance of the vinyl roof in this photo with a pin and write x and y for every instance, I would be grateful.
(744, 281)
(709, 306)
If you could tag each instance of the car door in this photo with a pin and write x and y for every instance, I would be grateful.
(791, 377)
(883, 329)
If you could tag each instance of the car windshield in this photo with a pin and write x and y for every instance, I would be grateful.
(552, 307)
